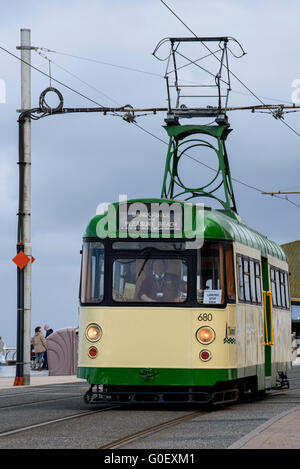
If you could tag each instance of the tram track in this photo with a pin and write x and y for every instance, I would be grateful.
(150, 430)
(53, 421)
(160, 427)
(67, 392)
(123, 435)
(38, 402)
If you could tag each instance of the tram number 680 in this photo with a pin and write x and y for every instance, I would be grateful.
(205, 317)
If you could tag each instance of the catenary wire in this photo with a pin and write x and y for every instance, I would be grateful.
(137, 125)
(150, 73)
(78, 78)
(233, 74)
(54, 79)
(249, 186)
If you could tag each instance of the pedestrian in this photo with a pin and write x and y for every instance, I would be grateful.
(48, 332)
(39, 344)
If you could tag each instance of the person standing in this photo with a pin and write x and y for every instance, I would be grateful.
(39, 345)
(48, 332)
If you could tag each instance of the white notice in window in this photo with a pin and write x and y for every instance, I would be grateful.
(212, 296)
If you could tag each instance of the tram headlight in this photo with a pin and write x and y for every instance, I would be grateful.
(93, 332)
(205, 335)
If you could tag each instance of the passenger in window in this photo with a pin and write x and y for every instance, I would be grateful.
(162, 286)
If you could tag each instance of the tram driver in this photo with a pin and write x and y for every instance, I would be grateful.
(162, 286)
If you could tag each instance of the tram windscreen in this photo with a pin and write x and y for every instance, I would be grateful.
(92, 277)
(155, 274)
(150, 280)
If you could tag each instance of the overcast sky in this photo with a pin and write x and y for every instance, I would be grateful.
(79, 161)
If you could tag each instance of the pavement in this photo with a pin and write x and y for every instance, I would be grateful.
(280, 432)
(6, 383)
(37, 378)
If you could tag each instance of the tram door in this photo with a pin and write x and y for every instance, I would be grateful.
(268, 328)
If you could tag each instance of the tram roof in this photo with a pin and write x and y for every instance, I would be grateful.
(217, 225)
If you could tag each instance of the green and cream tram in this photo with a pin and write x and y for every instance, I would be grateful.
(197, 315)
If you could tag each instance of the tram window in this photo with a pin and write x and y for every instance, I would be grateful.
(249, 276)
(278, 288)
(282, 289)
(210, 274)
(229, 272)
(92, 275)
(241, 280)
(150, 280)
(273, 287)
(258, 282)
(247, 280)
(252, 282)
(286, 281)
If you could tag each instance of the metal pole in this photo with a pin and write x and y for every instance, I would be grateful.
(24, 228)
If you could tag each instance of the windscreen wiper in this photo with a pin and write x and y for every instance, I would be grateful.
(149, 252)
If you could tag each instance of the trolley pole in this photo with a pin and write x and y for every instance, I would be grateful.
(24, 219)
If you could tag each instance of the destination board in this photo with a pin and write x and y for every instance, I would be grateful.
(150, 218)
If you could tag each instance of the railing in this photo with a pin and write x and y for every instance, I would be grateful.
(9, 354)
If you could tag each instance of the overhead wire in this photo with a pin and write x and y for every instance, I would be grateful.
(123, 67)
(53, 79)
(78, 78)
(146, 72)
(137, 125)
(233, 74)
(249, 186)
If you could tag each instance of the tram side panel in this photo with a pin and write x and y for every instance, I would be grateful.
(281, 321)
(250, 325)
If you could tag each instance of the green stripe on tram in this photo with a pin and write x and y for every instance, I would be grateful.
(155, 376)
(175, 376)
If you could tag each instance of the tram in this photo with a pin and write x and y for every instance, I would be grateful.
(180, 319)
(181, 301)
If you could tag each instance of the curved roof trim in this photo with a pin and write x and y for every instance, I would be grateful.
(217, 225)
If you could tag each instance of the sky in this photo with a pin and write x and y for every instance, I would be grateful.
(82, 160)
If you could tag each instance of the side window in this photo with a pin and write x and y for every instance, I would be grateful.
(258, 282)
(273, 286)
(252, 282)
(277, 280)
(247, 280)
(280, 288)
(240, 278)
(92, 274)
(287, 293)
(229, 272)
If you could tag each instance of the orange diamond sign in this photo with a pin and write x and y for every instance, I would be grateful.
(21, 260)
